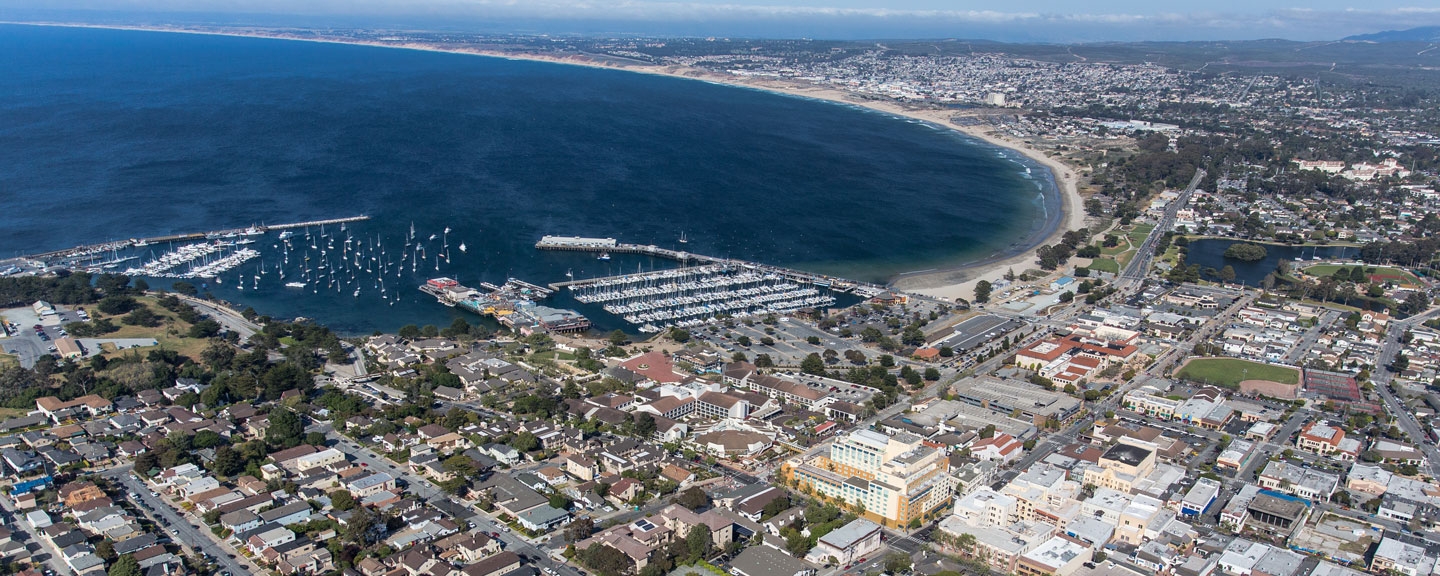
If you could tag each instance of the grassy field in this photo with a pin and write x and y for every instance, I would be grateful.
(1229, 372)
(1384, 273)
(1105, 265)
(1139, 232)
(170, 333)
(7, 413)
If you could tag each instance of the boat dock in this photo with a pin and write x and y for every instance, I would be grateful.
(703, 289)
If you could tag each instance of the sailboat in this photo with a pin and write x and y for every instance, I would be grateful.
(683, 239)
(462, 246)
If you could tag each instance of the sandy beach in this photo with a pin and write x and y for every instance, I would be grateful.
(949, 283)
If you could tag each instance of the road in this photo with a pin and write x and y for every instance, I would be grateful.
(39, 547)
(1382, 377)
(181, 529)
(227, 317)
(1138, 268)
(457, 509)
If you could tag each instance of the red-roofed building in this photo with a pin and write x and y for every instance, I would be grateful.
(654, 366)
(1001, 447)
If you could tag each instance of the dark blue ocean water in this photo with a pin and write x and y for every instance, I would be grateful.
(109, 134)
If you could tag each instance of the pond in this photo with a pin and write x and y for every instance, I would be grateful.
(1210, 253)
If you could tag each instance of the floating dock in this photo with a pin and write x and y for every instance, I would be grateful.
(703, 289)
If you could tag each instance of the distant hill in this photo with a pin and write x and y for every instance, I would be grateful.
(1421, 34)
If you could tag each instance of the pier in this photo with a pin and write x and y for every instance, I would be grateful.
(612, 246)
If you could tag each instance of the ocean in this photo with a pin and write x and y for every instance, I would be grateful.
(111, 134)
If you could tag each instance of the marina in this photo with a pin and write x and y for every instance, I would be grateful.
(702, 290)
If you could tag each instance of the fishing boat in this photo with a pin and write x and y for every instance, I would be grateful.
(603, 256)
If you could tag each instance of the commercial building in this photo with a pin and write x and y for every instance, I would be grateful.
(848, 543)
(1058, 556)
(895, 479)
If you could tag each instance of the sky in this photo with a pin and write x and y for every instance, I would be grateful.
(1014, 20)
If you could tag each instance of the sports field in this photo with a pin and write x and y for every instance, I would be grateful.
(1229, 372)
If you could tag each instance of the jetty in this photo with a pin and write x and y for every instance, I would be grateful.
(254, 230)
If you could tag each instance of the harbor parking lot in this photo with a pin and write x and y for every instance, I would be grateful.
(977, 331)
(791, 342)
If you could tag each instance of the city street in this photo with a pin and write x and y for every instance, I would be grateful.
(178, 526)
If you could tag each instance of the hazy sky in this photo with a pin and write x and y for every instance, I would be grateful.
(1044, 20)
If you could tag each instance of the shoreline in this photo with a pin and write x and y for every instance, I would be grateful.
(949, 282)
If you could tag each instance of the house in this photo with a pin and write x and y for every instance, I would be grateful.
(89, 405)
(497, 565)
(271, 538)
(542, 518)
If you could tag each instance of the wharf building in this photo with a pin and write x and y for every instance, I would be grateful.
(894, 479)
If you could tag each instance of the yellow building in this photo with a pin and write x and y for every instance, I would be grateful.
(895, 479)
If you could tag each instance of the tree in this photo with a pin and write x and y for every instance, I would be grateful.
(644, 424)
(813, 364)
(185, 288)
(743, 341)
(679, 335)
(896, 562)
(693, 498)
(606, 560)
(125, 565)
(618, 338)
(982, 291)
(932, 374)
(1227, 273)
(1245, 252)
(525, 442)
(764, 361)
(409, 332)
(285, 428)
(559, 501)
(579, 529)
(1067, 296)
(206, 328)
(698, 541)
(106, 550)
(342, 500)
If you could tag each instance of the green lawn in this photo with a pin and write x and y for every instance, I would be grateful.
(1229, 372)
(1139, 232)
(1396, 275)
(1105, 265)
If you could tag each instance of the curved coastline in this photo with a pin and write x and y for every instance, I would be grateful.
(948, 282)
